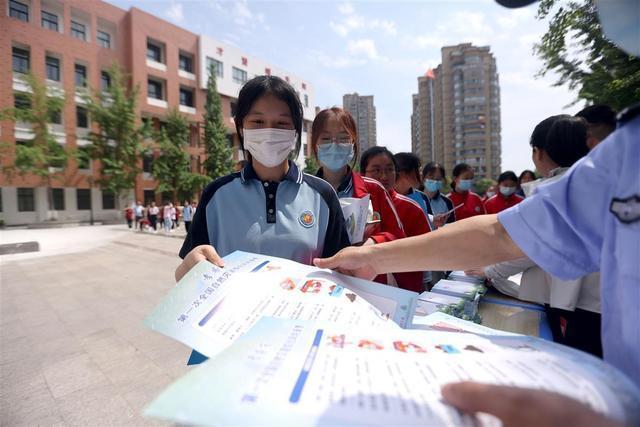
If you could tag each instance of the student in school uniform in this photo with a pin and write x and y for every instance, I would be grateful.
(408, 181)
(441, 207)
(270, 207)
(461, 193)
(506, 197)
(378, 163)
(334, 143)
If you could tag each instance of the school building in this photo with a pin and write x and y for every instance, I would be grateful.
(70, 45)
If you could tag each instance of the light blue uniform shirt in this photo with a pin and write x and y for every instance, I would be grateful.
(186, 213)
(587, 221)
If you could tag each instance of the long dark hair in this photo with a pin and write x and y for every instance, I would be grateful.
(562, 137)
(371, 152)
(260, 86)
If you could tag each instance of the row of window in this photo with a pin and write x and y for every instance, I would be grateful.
(22, 101)
(21, 63)
(50, 21)
(156, 53)
(156, 90)
(27, 202)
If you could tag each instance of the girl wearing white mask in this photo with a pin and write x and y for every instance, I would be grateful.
(334, 142)
(506, 197)
(270, 207)
(466, 202)
(433, 178)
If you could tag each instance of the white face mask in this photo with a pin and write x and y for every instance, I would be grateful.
(270, 147)
(507, 191)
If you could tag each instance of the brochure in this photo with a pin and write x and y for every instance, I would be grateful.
(293, 372)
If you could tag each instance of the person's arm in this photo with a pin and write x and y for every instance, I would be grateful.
(473, 242)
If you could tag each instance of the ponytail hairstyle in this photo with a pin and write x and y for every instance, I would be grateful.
(458, 170)
(408, 163)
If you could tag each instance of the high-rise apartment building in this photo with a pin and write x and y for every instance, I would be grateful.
(456, 112)
(70, 45)
(364, 113)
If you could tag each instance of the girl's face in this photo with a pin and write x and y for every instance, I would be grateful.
(268, 112)
(527, 178)
(435, 175)
(466, 175)
(382, 169)
(333, 131)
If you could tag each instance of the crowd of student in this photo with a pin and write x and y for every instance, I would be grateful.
(167, 217)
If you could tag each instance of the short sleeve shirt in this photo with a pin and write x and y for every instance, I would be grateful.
(587, 221)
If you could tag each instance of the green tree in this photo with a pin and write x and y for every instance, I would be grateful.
(119, 142)
(172, 169)
(600, 71)
(482, 185)
(311, 166)
(219, 155)
(41, 155)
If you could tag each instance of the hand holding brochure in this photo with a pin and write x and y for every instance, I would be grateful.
(291, 372)
(211, 307)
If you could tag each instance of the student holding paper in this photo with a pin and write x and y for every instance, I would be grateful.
(334, 143)
(270, 207)
(378, 163)
(461, 193)
(442, 209)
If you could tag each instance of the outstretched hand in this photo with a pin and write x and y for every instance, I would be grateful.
(353, 261)
(521, 407)
(197, 254)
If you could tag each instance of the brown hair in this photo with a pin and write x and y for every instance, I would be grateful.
(345, 119)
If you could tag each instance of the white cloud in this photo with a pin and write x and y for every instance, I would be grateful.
(363, 47)
(346, 8)
(175, 13)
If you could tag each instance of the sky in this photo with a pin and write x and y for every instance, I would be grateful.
(380, 48)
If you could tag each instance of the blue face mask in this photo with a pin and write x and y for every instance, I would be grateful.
(335, 156)
(464, 185)
(433, 185)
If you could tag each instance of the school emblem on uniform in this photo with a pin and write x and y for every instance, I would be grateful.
(307, 219)
(375, 216)
(626, 210)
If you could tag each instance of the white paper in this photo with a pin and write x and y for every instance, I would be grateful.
(356, 214)
(313, 373)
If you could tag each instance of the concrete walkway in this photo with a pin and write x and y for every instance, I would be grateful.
(73, 350)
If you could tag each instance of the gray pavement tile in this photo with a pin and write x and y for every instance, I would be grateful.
(70, 375)
(11, 330)
(50, 351)
(132, 371)
(141, 396)
(47, 331)
(95, 406)
(37, 407)
(16, 349)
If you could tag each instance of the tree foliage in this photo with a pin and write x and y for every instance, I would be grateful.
(172, 168)
(119, 142)
(576, 49)
(219, 155)
(311, 166)
(482, 185)
(41, 155)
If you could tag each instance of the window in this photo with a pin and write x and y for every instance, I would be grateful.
(20, 60)
(186, 97)
(81, 75)
(105, 81)
(82, 118)
(154, 89)
(83, 158)
(239, 76)
(52, 66)
(306, 100)
(154, 52)
(108, 200)
(49, 20)
(18, 10)
(83, 199)
(78, 30)
(104, 39)
(26, 200)
(217, 66)
(186, 63)
(147, 163)
(21, 101)
(57, 194)
(55, 117)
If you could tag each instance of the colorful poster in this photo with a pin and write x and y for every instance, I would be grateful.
(286, 372)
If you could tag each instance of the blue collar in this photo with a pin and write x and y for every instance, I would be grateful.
(347, 182)
(294, 174)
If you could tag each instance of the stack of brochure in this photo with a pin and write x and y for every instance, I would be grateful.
(462, 276)
(457, 288)
(433, 302)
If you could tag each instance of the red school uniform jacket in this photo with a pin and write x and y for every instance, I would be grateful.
(498, 203)
(390, 227)
(472, 204)
(415, 223)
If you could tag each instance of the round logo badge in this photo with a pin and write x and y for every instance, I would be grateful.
(375, 216)
(307, 219)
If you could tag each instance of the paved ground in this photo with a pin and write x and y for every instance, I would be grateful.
(73, 350)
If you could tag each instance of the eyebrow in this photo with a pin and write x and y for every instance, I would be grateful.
(260, 113)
